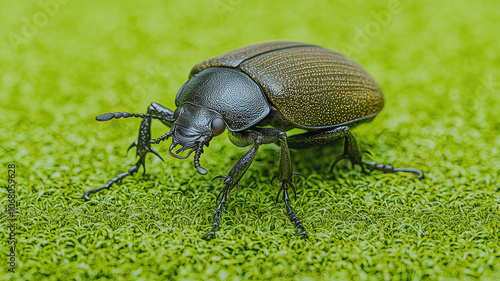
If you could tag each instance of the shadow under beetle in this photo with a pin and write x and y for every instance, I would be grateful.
(259, 92)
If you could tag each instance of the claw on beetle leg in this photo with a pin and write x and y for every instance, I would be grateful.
(284, 186)
(294, 219)
(156, 153)
(341, 157)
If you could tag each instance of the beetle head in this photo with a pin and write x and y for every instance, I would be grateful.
(194, 127)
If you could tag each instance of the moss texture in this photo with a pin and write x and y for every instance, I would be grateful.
(63, 63)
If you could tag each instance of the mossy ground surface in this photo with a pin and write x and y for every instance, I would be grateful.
(436, 61)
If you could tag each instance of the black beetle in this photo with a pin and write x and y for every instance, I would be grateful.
(259, 92)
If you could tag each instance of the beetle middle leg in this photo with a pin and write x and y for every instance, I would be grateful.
(284, 175)
(143, 145)
(233, 177)
(351, 150)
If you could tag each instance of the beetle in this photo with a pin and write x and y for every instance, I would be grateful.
(259, 92)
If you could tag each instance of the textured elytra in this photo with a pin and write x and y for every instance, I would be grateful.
(311, 86)
(236, 57)
(314, 87)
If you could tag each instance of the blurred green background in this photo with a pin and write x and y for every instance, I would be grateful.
(64, 62)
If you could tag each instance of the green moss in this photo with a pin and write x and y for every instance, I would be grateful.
(436, 63)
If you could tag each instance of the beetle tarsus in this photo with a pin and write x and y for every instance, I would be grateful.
(390, 169)
(294, 219)
(218, 213)
(160, 139)
(379, 167)
(341, 157)
(112, 181)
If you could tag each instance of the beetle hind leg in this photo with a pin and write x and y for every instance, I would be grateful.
(351, 150)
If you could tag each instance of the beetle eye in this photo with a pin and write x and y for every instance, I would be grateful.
(176, 113)
(218, 125)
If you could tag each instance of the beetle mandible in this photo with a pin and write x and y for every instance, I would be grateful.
(259, 92)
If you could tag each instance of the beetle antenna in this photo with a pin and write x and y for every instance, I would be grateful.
(199, 151)
(160, 139)
(118, 115)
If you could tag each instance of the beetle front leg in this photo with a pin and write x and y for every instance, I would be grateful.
(143, 145)
(233, 177)
(143, 142)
